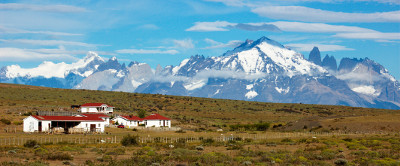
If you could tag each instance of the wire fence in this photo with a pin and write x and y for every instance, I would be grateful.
(107, 139)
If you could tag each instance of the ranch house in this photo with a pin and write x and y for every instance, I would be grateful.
(156, 120)
(96, 108)
(68, 124)
(153, 120)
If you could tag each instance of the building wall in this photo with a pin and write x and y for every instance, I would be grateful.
(157, 123)
(45, 126)
(86, 126)
(89, 110)
(94, 110)
(126, 123)
(106, 121)
(30, 124)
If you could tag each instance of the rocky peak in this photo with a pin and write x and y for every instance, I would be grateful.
(315, 56)
(329, 63)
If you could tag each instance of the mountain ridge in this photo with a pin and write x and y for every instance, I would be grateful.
(261, 70)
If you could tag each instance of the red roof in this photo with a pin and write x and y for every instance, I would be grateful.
(156, 117)
(94, 105)
(67, 118)
(132, 118)
(96, 115)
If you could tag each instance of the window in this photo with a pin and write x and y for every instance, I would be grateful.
(86, 125)
(166, 123)
(160, 122)
(99, 124)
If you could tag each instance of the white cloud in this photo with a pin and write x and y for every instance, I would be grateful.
(62, 50)
(48, 42)
(142, 51)
(225, 26)
(372, 35)
(238, 3)
(321, 47)
(185, 43)
(317, 27)
(210, 26)
(277, 26)
(42, 8)
(17, 54)
(8, 30)
(301, 13)
(215, 44)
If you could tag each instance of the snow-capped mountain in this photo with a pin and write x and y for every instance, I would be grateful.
(369, 78)
(261, 70)
(49, 74)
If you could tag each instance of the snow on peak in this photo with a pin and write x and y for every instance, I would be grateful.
(50, 69)
(113, 58)
(91, 55)
(176, 69)
(251, 94)
(264, 55)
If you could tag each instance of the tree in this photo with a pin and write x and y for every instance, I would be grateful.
(141, 113)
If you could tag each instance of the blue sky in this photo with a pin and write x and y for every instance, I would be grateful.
(166, 32)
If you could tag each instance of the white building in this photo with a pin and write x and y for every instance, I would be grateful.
(156, 120)
(127, 121)
(153, 120)
(68, 124)
(96, 108)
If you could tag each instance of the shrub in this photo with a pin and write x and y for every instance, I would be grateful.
(5, 121)
(286, 140)
(30, 143)
(207, 141)
(59, 156)
(129, 140)
(340, 162)
(250, 127)
(141, 113)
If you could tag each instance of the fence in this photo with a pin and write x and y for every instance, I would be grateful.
(95, 139)
(60, 139)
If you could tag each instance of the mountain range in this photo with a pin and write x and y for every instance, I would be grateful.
(262, 70)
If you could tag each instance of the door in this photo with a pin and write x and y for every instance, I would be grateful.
(163, 122)
(40, 126)
(92, 127)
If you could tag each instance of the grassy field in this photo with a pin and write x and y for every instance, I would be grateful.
(374, 140)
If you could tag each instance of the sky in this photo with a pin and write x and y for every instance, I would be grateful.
(166, 32)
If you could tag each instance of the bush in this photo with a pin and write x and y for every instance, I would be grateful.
(59, 156)
(5, 121)
(207, 141)
(30, 143)
(340, 162)
(250, 127)
(129, 140)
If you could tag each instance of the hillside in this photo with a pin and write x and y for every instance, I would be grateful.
(195, 113)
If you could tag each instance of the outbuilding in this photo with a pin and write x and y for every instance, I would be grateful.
(156, 120)
(128, 121)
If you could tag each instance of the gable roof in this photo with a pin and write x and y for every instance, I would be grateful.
(67, 118)
(132, 118)
(96, 115)
(156, 117)
(95, 105)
